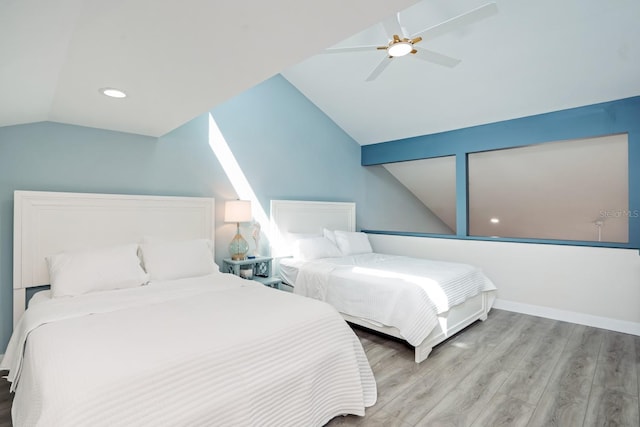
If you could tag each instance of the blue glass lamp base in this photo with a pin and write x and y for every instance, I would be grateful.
(238, 248)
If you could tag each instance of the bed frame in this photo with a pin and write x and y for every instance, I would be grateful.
(46, 223)
(311, 217)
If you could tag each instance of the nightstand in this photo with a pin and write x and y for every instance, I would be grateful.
(258, 268)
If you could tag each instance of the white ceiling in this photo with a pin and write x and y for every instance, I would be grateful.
(531, 57)
(175, 60)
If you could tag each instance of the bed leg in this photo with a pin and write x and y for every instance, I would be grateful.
(422, 353)
(486, 306)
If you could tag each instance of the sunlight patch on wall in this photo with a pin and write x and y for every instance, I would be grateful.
(232, 169)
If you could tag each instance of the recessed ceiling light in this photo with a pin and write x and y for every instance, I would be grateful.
(112, 92)
(494, 220)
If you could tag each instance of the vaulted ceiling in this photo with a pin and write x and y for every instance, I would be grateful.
(174, 59)
(530, 57)
(177, 60)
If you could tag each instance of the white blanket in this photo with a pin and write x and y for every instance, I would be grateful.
(216, 350)
(402, 292)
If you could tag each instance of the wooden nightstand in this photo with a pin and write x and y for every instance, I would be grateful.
(259, 268)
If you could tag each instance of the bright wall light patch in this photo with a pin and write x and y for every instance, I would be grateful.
(232, 169)
(495, 220)
(112, 92)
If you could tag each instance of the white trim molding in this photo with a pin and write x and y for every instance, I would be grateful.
(569, 316)
(587, 285)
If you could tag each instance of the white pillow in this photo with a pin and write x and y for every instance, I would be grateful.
(81, 272)
(352, 243)
(315, 248)
(290, 239)
(330, 234)
(177, 260)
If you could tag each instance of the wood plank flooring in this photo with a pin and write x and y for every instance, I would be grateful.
(511, 370)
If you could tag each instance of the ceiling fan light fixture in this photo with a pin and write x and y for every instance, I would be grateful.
(400, 48)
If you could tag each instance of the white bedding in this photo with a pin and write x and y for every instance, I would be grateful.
(401, 292)
(215, 350)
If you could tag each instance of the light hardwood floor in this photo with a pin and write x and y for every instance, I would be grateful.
(511, 370)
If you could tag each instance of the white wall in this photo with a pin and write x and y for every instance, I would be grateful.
(592, 286)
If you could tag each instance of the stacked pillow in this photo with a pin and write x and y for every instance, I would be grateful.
(166, 260)
(121, 266)
(131, 265)
(331, 244)
(352, 243)
(81, 272)
(314, 248)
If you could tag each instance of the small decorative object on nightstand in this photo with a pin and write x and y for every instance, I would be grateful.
(258, 268)
(256, 238)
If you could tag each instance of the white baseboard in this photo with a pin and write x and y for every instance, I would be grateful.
(570, 316)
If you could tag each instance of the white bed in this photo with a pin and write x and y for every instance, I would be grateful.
(207, 350)
(420, 301)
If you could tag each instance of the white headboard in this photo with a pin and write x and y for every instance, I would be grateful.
(289, 216)
(46, 223)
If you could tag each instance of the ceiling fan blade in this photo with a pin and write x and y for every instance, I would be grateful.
(351, 49)
(392, 26)
(435, 57)
(379, 69)
(459, 21)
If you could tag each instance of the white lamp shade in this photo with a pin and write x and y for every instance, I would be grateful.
(237, 211)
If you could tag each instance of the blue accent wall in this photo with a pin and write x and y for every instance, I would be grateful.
(621, 116)
(287, 148)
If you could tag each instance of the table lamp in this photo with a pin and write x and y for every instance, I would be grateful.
(238, 211)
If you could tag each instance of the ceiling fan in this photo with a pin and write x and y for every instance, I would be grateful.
(402, 44)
